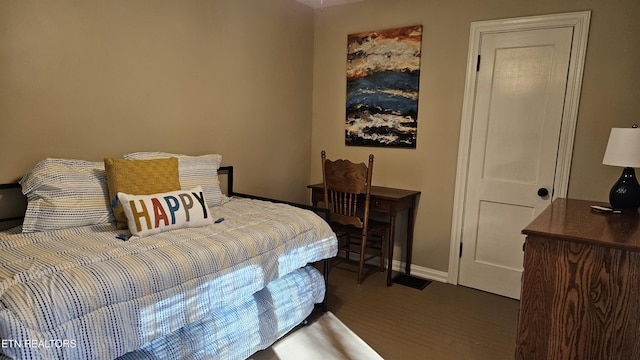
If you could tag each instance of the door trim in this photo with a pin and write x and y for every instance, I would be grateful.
(579, 21)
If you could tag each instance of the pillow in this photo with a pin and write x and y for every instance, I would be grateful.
(63, 193)
(194, 171)
(139, 177)
(151, 214)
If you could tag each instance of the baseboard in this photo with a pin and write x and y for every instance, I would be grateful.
(417, 271)
(422, 272)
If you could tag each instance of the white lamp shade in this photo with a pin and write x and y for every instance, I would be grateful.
(623, 148)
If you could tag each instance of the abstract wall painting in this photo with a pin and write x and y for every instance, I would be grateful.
(383, 77)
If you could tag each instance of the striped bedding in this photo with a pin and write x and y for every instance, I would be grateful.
(80, 293)
(236, 332)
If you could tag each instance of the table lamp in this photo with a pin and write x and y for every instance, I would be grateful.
(623, 150)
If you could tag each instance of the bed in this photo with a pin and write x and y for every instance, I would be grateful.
(91, 290)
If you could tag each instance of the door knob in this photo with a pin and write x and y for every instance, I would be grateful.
(542, 192)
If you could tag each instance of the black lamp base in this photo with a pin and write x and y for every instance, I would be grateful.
(625, 193)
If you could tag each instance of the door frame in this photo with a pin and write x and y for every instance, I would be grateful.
(579, 21)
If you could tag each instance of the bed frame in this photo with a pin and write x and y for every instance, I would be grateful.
(13, 206)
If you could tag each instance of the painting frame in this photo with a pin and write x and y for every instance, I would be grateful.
(383, 81)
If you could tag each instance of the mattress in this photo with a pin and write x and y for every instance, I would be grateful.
(82, 293)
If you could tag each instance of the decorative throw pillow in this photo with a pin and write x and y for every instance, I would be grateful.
(139, 177)
(194, 171)
(64, 193)
(151, 214)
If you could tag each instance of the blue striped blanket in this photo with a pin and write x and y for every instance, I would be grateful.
(81, 293)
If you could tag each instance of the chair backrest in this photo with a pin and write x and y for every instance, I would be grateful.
(344, 183)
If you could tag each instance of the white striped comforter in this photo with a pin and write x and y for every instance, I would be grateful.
(81, 293)
(236, 332)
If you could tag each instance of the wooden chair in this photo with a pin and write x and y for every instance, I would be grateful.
(347, 188)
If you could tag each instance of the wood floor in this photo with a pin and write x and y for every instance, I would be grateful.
(441, 321)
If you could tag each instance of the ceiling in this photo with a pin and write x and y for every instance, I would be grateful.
(317, 4)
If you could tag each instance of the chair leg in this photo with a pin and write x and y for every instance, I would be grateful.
(383, 241)
(347, 247)
(345, 239)
(363, 246)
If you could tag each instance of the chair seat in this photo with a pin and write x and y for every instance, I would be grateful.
(374, 226)
(352, 241)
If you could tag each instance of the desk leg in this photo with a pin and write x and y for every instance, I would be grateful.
(392, 235)
(410, 226)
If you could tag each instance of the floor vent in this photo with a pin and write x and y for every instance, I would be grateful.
(411, 281)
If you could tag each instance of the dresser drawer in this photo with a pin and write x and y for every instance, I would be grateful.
(380, 205)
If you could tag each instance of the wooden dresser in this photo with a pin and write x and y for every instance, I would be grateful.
(581, 285)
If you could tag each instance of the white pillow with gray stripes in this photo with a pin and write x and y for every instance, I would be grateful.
(64, 193)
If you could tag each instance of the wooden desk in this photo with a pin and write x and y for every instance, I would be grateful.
(580, 294)
(389, 201)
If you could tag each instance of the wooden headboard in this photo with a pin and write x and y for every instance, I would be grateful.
(13, 204)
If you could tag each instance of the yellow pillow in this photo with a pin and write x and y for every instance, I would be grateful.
(139, 177)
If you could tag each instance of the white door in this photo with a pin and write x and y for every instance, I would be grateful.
(518, 109)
